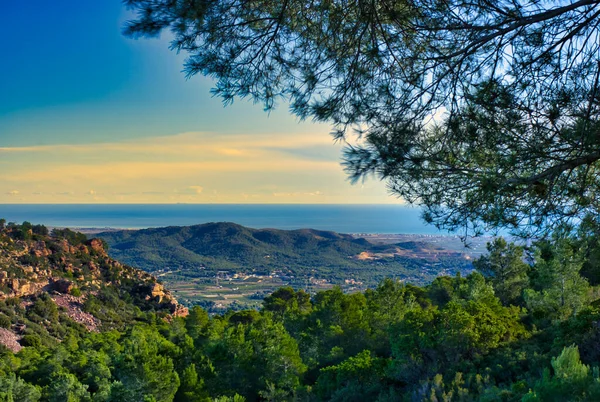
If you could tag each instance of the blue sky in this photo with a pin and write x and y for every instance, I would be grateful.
(87, 115)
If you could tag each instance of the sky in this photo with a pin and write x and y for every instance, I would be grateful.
(89, 116)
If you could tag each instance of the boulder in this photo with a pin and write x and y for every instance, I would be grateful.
(157, 290)
(63, 286)
(97, 245)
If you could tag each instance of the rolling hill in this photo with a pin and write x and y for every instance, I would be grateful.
(223, 246)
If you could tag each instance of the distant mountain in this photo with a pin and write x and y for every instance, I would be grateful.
(228, 246)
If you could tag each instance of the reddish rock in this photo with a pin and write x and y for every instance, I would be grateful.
(39, 249)
(97, 245)
(24, 287)
(93, 266)
(180, 311)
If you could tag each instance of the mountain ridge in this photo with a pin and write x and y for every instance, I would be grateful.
(227, 246)
(54, 283)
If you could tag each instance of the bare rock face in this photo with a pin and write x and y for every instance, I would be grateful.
(178, 310)
(157, 291)
(23, 287)
(97, 245)
(63, 286)
(64, 246)
(39, 249)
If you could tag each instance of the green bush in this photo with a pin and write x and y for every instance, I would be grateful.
(4, 321)
(45, 308)
(31, 340)
(76, 292)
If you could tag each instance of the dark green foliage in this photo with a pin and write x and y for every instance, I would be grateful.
(286, 301)
(5, 321)
(112, 306)
(558, 290)
(571, 380)
(244, 317)
(14, 389)
(74, 238)
(32, 341)
(145, 367)
(40, 230)
(357, 378)
(505, 267)
(44, 308)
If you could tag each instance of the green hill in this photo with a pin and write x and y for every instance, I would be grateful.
(204, 249)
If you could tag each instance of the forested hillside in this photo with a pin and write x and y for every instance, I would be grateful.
(522, 328)
(201, 250)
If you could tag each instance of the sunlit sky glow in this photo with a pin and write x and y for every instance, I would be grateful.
(89, 116)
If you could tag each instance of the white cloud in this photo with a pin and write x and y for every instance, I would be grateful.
(231, 168)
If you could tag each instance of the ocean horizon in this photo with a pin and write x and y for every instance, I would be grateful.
(342, 218)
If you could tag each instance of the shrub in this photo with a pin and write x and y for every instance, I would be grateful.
(31, 340)
(5, 321)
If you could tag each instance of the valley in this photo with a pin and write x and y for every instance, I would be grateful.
(224, 266)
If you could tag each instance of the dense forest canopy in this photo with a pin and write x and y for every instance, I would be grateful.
(484, 112)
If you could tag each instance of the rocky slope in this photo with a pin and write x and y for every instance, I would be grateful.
(64, 272)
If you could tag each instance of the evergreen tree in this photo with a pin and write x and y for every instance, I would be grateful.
(506, 269)
(486, 113)
(560, 290)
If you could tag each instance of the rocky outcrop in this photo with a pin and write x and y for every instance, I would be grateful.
(179, 310)
(157, 291)
(40, 263)
(63, 286)
(39, 249)
(24, 287)
(97, 246)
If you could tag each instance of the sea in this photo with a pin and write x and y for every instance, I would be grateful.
(383, 218)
